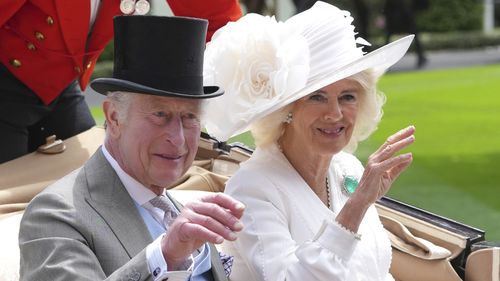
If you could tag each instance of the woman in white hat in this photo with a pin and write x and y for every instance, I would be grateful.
(308, 93)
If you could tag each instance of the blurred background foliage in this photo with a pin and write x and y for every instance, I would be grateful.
(433, 15)
(451, 15)
(443, 24)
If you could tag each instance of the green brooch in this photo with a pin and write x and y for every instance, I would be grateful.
(349, 185)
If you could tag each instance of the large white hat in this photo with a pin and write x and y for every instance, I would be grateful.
(265, 65)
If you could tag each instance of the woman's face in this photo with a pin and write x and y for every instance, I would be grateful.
(323, 121)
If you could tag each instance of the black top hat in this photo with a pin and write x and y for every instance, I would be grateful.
(158, 56)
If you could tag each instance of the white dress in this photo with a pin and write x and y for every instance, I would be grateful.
(289, 234)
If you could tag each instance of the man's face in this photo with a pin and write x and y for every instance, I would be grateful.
(158, 140)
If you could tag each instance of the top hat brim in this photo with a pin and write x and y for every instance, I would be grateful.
(106, 85)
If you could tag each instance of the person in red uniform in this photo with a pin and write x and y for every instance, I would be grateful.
(48, 50)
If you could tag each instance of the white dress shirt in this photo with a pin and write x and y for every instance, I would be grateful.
(94, 9)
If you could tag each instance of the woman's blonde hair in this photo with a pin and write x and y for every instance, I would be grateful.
(269, 129)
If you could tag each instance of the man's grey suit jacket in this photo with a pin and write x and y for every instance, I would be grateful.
(87, 227)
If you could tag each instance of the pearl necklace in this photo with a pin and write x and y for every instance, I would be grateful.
(328, 193)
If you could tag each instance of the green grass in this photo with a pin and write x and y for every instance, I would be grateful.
(456, 167)
(97, 114)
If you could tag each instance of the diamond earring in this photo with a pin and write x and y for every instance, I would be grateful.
(288, 118)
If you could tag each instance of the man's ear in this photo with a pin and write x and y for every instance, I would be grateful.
(112, 121)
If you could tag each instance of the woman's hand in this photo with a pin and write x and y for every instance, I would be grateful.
(382, 169)
(383, 166)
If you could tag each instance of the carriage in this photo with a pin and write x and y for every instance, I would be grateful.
(425, 246)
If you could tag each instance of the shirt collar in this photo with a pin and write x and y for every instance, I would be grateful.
(140, 193)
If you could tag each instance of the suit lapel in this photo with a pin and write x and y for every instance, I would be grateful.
(74, 17)
(109, 198)
(217, 268)
(102, 31)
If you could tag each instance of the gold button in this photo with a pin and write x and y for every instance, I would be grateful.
(77, 69)
(39, 36)
(89, 64)
(50, 20)
(31, 46)
(15, 63)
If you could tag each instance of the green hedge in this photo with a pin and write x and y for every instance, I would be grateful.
(440, 16)
(108, 53)
(103, 69)
(450, 40)
(460, 40)
(104, 66)
(451, 15)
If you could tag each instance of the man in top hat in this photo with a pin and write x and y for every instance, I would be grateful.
(112, 219)
(48, 51)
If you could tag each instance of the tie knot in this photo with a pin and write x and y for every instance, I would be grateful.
(163, 203)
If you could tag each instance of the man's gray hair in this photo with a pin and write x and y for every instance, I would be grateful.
(122, 102)
(269, 129)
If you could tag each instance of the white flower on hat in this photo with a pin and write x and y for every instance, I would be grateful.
(257, 61)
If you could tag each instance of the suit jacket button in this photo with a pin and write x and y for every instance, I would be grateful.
(78, 69)
(15, 63)
(50, 20)
(30, 46)
(39, 36)
(89, 64)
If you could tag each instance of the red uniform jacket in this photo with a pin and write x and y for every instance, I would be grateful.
(46, 43)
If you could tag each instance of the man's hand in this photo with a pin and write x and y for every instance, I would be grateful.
(212, 219)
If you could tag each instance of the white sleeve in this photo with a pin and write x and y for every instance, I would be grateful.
(266, 245)
(158, 266)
